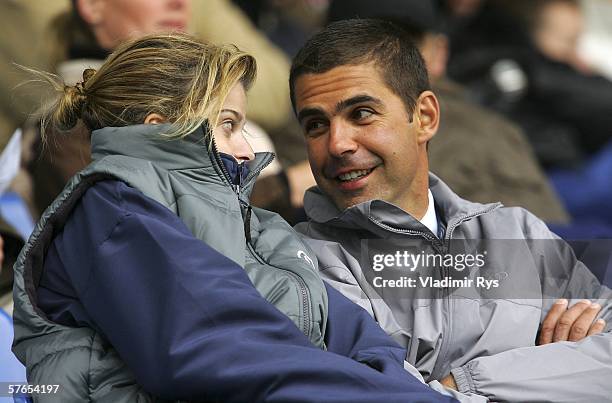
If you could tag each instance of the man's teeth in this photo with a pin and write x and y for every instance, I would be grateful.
(353, 175)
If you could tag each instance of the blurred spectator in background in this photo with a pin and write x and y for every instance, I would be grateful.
(481, 155)
(19, 44)
(556, 28)
(288, 23)
(521, 58)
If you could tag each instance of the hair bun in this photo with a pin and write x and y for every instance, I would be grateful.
(70, 107)
(73, 103)
(87, 74)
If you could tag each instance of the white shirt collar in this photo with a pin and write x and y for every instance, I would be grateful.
(430, 219)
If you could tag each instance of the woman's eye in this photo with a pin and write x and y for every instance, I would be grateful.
(228, 125)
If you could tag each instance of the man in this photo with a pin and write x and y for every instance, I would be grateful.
(361, 94)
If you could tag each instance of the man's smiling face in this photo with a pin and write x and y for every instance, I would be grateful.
(363, 144)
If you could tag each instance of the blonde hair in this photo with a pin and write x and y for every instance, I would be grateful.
(174, 75)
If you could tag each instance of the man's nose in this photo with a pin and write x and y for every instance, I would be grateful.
(242, 149)
(341, 139)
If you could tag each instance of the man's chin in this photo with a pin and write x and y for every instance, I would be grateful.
(343, 199)
(343, 203)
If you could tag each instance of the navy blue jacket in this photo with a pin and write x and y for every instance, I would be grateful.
(190, 324)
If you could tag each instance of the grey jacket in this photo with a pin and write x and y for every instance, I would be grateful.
(485, 337)
(184, 176)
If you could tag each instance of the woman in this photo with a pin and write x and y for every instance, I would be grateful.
(85, 34)
(151, 276)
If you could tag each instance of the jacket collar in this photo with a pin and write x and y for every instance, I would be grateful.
(146, 142)
(452, 209)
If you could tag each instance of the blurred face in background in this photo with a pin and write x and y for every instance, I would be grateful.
(559, 28)
(434, 49)
(114, 21)
(464, 8)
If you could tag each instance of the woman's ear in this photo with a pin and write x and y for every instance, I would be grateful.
(427, 113)
(154, 119)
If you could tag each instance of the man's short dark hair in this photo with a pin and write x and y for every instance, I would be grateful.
(360, 41)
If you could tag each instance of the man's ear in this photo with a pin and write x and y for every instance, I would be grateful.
(154, 119)
(427, 116)
(91, 11)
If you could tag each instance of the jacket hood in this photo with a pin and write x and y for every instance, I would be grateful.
(320, 209)
(146, 142)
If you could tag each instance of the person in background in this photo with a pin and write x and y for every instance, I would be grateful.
(19, 44)
(519, 57)
(288, 24)
(555, 28)
(528, 68)
(151, 276)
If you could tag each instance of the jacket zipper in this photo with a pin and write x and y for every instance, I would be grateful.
(239, 179)
(440, 247)
(306, 326)
(259, 169)
(449, 302)
(428, 237)
(464, 218)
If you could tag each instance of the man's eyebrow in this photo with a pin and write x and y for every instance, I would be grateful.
(357, 99)
(340, 106)
(237, 114)
(307, 112)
